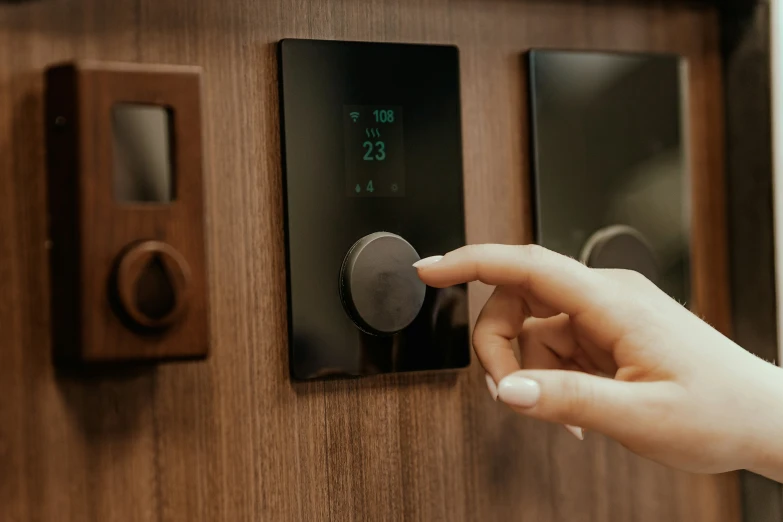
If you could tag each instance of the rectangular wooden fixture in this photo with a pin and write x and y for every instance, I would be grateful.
(126, 204)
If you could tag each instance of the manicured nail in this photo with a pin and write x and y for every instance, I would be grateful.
(493, 389)
(427, 261)
(518, 391)
(576, 432)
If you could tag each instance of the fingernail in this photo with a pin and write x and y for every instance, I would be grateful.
(518, 391)
(575, 431)
(493, 389)
(427, 261)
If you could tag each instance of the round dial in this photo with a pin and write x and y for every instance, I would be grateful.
(621, 246)
(379, 286)
(152, 284)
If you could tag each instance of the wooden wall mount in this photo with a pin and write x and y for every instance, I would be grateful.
(99, 246)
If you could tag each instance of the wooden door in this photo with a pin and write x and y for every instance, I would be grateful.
(232, 439)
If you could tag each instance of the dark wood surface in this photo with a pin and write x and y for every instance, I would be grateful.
(232, 439)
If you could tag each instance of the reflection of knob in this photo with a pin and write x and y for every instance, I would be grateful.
(152, 284)
(621, 246)
(379, 287)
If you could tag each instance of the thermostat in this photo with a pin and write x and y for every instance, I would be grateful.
(373, 182)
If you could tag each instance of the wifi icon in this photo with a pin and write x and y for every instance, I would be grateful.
(354, 116)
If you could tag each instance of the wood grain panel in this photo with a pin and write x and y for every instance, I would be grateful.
(83, 446)
(232, 439)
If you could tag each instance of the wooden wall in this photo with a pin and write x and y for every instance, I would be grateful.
(232, 439)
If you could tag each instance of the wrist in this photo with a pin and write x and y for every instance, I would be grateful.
(765, 428)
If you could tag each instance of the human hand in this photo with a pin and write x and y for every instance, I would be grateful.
(609, 351)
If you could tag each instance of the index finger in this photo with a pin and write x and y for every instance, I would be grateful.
(554, 279)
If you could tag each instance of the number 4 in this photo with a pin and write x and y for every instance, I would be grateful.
(370, 188)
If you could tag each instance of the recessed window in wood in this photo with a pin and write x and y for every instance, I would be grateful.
(141, 139)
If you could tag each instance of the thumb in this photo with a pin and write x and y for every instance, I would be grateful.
(600, 404)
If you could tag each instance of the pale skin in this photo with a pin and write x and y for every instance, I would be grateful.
(607, 351)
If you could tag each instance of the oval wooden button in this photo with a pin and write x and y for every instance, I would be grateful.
(153, 282)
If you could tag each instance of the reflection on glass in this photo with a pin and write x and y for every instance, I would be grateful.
(142, 154)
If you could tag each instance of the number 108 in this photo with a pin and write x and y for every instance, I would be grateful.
(384, 116)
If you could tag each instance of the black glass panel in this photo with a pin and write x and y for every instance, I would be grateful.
(609, 157)
(384, 117)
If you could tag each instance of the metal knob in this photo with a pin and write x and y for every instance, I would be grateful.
(379, 287)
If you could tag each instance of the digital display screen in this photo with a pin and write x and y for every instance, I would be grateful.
(374, 151)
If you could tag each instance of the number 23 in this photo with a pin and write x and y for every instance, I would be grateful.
(380, 155)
